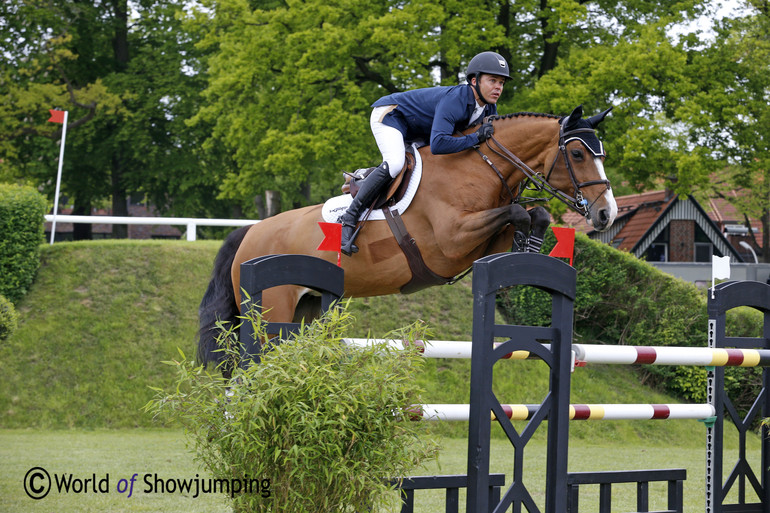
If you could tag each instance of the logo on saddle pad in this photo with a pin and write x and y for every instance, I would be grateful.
(336, 206)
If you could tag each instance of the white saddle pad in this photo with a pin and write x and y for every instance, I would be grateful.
(335, 207)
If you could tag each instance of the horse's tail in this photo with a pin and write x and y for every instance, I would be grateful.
(218, 303)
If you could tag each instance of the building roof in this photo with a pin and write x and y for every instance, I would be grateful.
(642, 216)
(636, 214)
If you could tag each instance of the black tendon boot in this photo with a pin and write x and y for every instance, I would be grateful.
(368, 191)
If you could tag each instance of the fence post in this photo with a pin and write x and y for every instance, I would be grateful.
(491, 275)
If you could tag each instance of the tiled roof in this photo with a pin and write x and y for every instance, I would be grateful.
(637, 213)
(722, 212)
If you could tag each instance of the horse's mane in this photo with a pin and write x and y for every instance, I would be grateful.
(519, 115)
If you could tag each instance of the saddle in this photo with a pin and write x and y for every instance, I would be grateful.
(422, 276)
(395, 190)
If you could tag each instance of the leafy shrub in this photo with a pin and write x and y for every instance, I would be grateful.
(9, 319)
(22, 211)
(622, 300)
(322, 425)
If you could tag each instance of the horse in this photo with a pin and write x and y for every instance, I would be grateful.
(465, 208)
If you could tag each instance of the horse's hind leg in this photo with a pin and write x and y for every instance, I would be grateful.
(308, 308)
(280, 303)
(541, 219)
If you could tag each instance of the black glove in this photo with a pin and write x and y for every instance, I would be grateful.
(485, 132)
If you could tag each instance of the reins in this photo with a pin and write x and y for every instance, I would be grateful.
(536, 181)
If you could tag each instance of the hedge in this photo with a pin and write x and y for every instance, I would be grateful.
(9, 319)
(22, 211)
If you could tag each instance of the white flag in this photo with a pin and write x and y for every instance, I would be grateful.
(720, 268)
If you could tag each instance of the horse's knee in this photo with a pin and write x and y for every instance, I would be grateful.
(521, 222)
(520, 218)
(540, 219)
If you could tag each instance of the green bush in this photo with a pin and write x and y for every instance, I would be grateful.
(9, 319)
(22, 211)
(625, 301)
(322, 426)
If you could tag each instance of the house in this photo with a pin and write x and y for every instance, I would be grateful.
(675, 233)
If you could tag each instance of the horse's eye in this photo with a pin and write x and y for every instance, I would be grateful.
(577, 154)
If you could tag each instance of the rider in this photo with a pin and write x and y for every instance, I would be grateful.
(430, 114)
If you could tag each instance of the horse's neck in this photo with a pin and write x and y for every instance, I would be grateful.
(529, 138)
(468, 182)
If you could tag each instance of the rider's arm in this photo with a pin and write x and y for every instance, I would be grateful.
(451, 111)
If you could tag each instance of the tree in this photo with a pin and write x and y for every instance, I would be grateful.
(729, 116)
(290, 84)
(129, 76)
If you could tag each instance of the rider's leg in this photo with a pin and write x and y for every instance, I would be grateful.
(389, 140)
(368, 191)
(391, 145)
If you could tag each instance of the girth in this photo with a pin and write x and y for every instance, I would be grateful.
(422, 276)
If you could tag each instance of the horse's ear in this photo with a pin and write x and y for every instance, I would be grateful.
(573, 118)
(595, 120)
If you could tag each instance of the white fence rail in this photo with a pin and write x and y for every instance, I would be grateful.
(190, 223)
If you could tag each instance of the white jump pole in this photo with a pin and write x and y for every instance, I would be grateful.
(597, 353)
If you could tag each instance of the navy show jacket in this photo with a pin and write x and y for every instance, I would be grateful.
(433, 114)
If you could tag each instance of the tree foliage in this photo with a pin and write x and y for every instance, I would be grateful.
(205, 106)
(290, 83)
(126, 72)
(729, 117)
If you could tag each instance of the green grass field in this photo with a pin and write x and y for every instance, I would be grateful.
(102, 316)
(162, 454)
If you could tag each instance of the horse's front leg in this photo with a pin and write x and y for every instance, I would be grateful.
(522, 223)
(458, 237)
(541, 219)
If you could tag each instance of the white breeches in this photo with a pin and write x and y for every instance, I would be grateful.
(389, 140)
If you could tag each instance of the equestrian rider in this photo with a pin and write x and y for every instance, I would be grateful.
(430, 114)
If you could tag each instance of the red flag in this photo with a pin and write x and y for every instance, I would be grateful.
(332, 239)
(57, 116)
(565, 243)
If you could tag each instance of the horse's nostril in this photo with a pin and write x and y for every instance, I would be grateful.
(603, 216)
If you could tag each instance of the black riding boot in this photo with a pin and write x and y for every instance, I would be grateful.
(368, 191)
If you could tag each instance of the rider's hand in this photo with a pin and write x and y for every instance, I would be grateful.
(485, 132)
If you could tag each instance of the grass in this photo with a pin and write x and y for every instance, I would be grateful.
(99, 319)
(101, 316)
(112, 455)
(119, 454)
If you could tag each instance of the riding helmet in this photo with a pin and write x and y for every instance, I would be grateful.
(491, 63)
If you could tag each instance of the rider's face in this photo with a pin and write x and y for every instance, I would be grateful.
(491, 86)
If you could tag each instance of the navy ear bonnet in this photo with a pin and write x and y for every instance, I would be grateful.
(589, 140)
(587, 137)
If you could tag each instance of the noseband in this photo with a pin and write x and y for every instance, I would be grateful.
(538, 182)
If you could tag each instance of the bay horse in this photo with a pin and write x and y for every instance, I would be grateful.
(465, 208)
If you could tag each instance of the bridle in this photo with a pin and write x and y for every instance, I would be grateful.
(537, 182)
